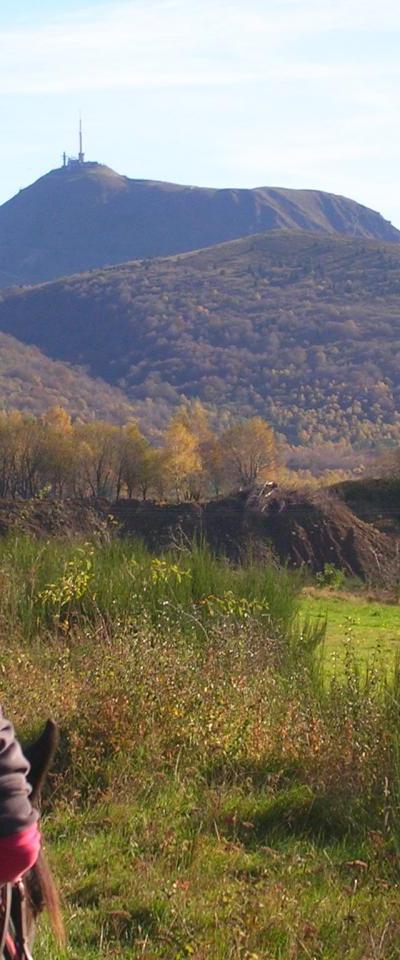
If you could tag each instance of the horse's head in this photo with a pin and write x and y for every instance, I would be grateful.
(39, 884)
(40, 755)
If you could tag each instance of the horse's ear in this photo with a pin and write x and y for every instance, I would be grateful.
(40, 755)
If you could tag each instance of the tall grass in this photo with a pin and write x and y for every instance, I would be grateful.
(56, 584)
(137, 703)
(196, 655)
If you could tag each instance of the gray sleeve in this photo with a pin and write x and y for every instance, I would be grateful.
(16, 812)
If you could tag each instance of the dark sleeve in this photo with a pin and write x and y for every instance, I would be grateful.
(16, 812)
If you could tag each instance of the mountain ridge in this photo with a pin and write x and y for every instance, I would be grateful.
(87, 216)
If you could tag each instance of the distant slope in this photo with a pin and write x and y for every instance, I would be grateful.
(78, 218)
(301, 329)
(31, 382)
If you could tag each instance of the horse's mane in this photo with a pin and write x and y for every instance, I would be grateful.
(40, 886)
(43, 895)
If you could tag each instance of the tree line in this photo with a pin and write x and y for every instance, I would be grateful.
(53, 456)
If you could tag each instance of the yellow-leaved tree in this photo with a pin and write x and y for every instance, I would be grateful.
(139, 461)
(182, 460)
(194, 416)
(248, 452)
(59, 456)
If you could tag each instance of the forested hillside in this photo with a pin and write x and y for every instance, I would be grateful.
(32, 382)
(301, 329)
(84, 216)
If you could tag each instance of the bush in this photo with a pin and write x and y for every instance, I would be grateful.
(331, 577)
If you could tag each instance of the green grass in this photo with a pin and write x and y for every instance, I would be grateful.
(371, 628)
(141, 882)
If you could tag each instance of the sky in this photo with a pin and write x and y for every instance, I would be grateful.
(240, 93)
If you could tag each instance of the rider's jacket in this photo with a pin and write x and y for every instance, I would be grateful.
(16, 812)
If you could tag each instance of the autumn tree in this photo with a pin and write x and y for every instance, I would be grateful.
(51, 455)
(248, 450)
(210, 474)
(195, 418)
(139, 466)
(59, 454)
(182, 457)
(213, 464)
(155, 472)
(28, 450)
(99, 454)
(10, 425)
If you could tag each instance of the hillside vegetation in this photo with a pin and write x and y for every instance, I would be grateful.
(86, 216)
(301, 329)
(32, 382)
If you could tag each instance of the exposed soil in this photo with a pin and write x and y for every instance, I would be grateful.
(52, 518)
(301, 529)
(376, 501)
(313, 529)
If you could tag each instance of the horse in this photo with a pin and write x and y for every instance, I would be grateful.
(22, 902)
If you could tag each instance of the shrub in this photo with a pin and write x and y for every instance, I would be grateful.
(331, 577)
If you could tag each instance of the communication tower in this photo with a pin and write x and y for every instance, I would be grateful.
(81, 155)
(80, 159)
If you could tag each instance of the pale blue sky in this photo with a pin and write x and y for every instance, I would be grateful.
(296, 93)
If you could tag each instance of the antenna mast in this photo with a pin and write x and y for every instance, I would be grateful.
(81, 155)
(71, 162)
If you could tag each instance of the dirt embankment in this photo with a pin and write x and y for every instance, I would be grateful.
(375, 501)
(298, 528)
(56, 518)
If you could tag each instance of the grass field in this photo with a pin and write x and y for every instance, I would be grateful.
(206, 806)
(213, 798)
(372, 628)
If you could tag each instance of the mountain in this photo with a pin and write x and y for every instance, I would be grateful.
(85, 215)
(302, 329)
(32, 382)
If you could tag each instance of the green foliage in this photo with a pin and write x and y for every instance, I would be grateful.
(330, 576)
(230, 605)
(69, 589)
(162, 571)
